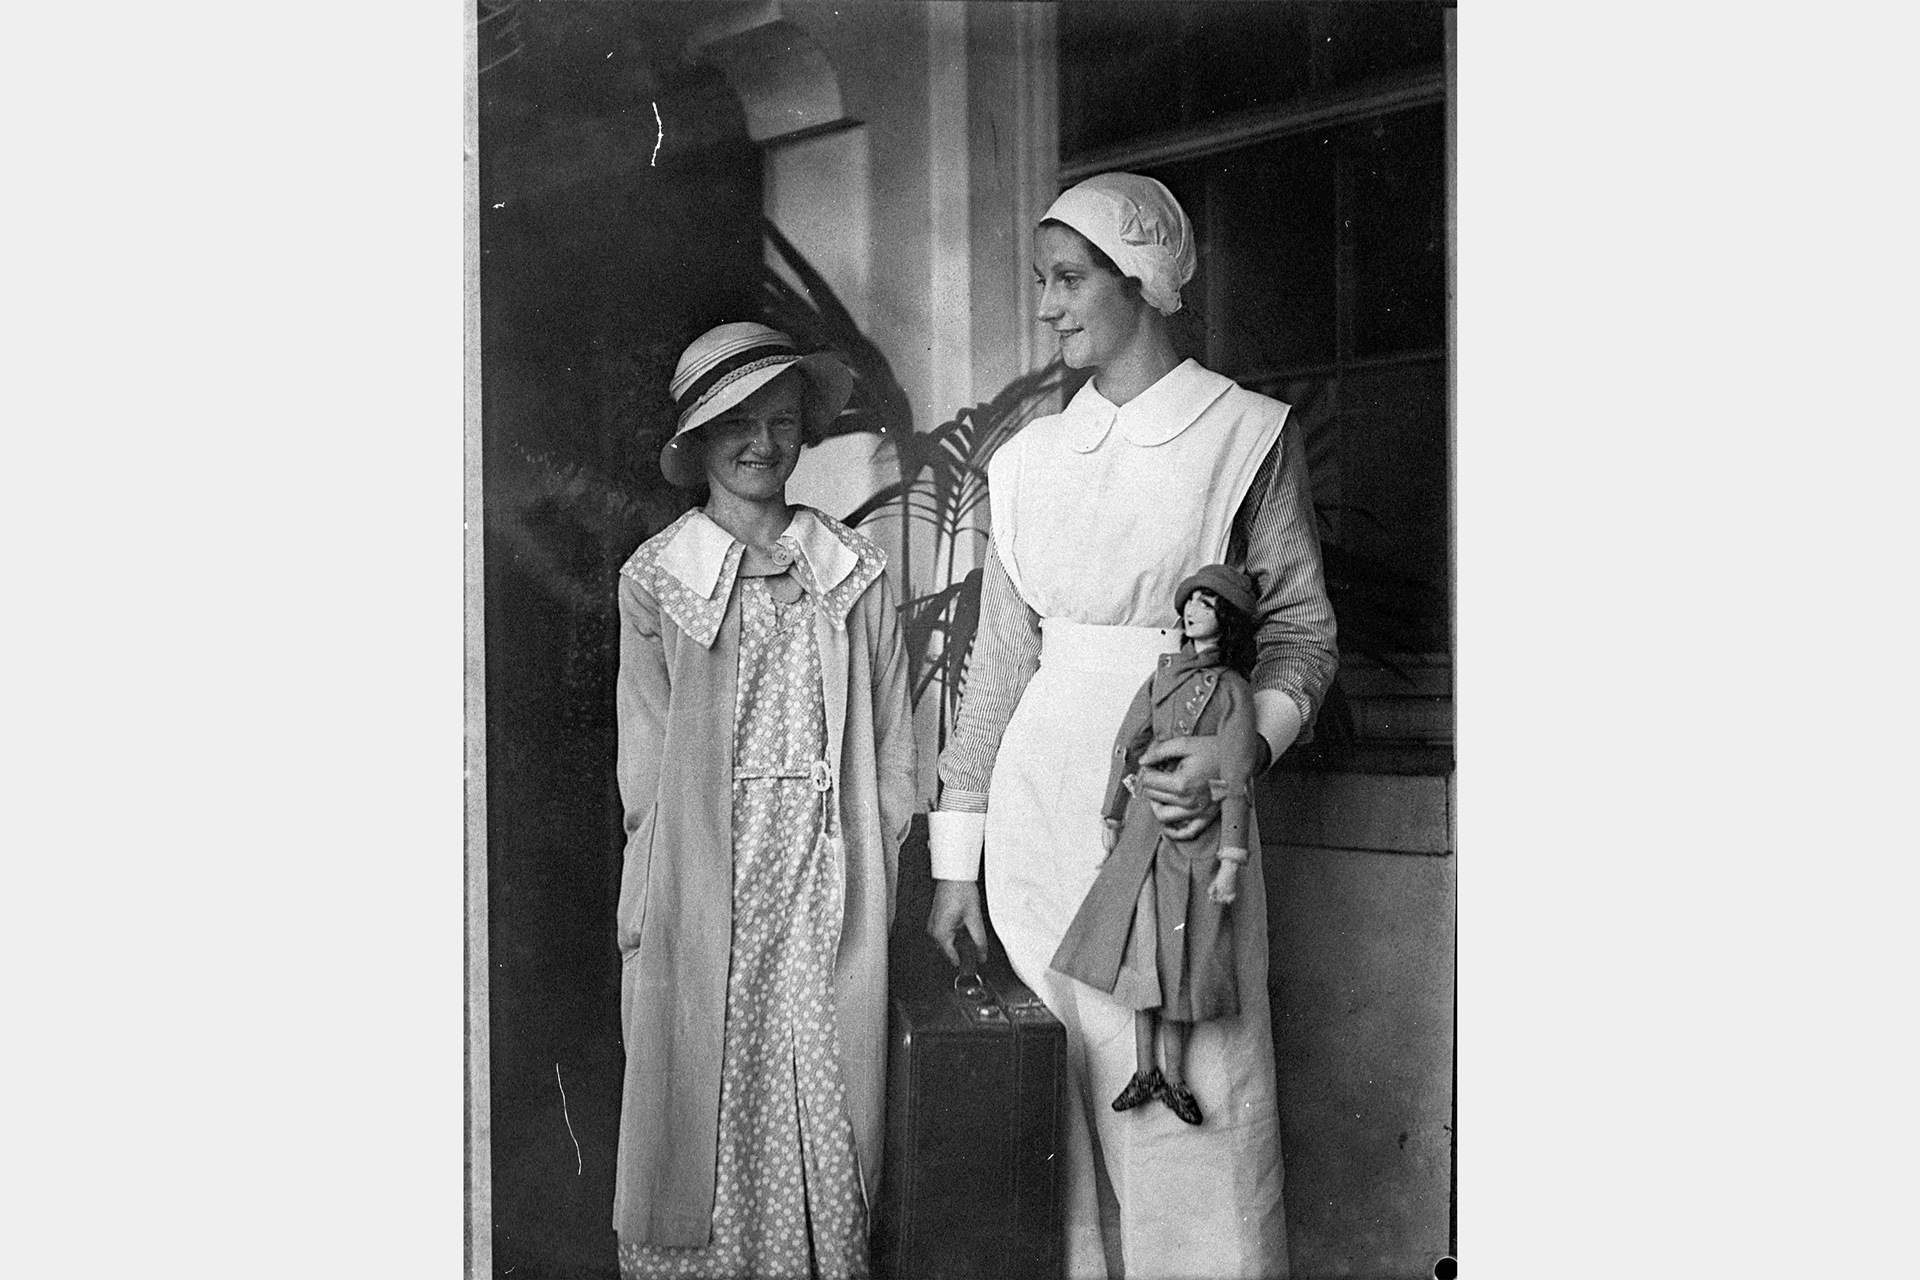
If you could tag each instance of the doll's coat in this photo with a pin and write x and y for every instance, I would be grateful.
(1114, 937)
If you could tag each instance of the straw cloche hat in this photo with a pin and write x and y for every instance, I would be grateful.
(725, 365)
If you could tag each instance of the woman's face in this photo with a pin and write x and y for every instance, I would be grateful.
(751, 449)
(1090, 308)
(1201, 617)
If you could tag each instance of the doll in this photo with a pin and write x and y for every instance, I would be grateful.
(1155, 929)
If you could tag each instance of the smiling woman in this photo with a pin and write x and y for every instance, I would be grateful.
(719, 381)
(1156, 467)
(762, 847)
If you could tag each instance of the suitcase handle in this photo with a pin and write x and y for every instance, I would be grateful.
(979, 1001)
(968, 981)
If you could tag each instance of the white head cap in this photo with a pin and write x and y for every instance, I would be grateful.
(1134, 220)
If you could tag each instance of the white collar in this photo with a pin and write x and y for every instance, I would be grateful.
(1153, 417)
(698, 555)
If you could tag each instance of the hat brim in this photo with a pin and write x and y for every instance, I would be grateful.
(1222, 585)
(829, 387)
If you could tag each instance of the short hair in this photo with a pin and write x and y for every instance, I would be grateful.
(1239, 646)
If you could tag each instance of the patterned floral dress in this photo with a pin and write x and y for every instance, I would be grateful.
(787, 1201)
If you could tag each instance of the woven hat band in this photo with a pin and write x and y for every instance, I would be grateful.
(726, 370)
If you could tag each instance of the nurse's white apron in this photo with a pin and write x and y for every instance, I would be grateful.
(1097, 517)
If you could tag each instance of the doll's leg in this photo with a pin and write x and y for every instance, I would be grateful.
(1173, 1051)
(1147, 1081)
(1173, 1088)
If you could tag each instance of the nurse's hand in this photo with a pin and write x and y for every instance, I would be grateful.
(1175, 776)
(956, 905)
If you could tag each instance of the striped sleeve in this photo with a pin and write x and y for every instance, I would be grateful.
(1276, 538)
(1006, 653)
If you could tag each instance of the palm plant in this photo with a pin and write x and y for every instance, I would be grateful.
(943, 487)
(814, 316)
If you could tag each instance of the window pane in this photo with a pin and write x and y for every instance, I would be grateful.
(1358, 42)
(1240, 56)
(1133, 68)
(1268, 253)
(1119, 72)
(1393, 490)
(1397, 214)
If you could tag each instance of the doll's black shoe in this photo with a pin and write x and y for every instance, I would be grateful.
(1179, 1100)
(1144, 1086)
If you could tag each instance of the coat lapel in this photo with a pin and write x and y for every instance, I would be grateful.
(1187, 679)
(691, 565)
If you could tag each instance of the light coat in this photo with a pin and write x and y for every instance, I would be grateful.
(679, 662)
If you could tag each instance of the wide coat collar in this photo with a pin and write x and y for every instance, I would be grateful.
(1155, 416)
(1172, 674)
(691, 565)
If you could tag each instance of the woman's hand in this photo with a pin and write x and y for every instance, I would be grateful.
(956, 905)
(1226, 881)
(1176, 776)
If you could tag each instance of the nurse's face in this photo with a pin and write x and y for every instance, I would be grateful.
(1093, 311)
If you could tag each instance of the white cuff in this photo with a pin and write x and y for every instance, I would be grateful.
(954, 841)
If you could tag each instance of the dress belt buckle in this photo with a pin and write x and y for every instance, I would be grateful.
(822, 775)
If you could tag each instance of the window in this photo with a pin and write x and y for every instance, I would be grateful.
(1308, 144)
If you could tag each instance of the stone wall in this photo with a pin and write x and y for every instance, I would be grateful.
(1361, 938)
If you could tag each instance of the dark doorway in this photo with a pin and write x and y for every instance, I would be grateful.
(619, 216)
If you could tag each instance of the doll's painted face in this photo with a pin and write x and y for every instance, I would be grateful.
(1201, 616)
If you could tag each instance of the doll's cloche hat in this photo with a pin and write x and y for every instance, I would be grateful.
(728, 363)
(1232, 585)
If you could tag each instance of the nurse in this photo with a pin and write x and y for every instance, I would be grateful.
(1157, 467)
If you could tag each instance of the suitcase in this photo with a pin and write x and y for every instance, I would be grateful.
(976, 1114)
